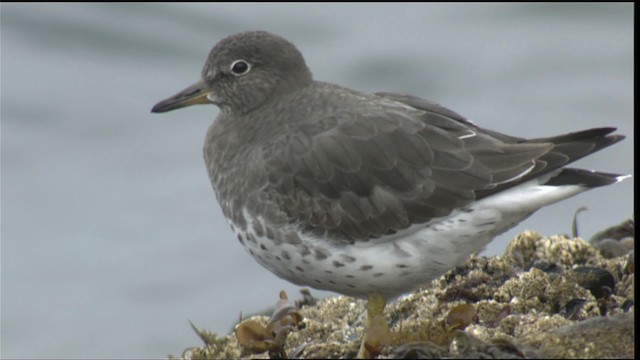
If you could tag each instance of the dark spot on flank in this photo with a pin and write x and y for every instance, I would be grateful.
(487, 223)
(337, 263)
(251, 238)
(292, 238)
(378, 274)
(251, 252)
(366, 267)
(320, 254)
(299, 269)
(348, 259)
(398, 251)
(263, 247)
(285, 255)
(350, 276)
(270, 234)
(332, 282)
(241, 239)
(236, 217)
(402, 266)
(304, 250)
(278, 258)
(328, 271)
(305, 261)
(351, 286)
(259, 230)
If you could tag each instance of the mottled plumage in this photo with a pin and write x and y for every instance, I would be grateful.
(361, 193)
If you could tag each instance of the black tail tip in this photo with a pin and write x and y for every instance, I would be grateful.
(587, 178)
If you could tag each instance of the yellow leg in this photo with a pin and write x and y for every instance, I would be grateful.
(376, 329)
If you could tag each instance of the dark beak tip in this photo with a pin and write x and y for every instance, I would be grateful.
(192, 95)
(159, 108)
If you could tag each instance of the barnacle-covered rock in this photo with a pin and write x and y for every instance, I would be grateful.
(535, 301)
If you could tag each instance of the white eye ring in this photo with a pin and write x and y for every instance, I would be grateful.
(240, 67)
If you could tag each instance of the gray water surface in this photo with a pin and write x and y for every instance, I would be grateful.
(111, 237)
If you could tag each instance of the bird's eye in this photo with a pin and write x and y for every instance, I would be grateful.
(240, 67)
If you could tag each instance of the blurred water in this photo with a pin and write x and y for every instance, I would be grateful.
(111, 236)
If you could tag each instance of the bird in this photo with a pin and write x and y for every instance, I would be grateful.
(370, 195)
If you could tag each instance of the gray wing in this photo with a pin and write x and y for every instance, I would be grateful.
(566, 149)
(355, 176)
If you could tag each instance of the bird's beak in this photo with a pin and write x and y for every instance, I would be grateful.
(194, 94)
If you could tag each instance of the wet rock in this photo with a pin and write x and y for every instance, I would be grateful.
(599, 282)
(615, 241)
(595, 338)
(522, 311)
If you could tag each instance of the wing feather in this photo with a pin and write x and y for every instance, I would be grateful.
(353, 176)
